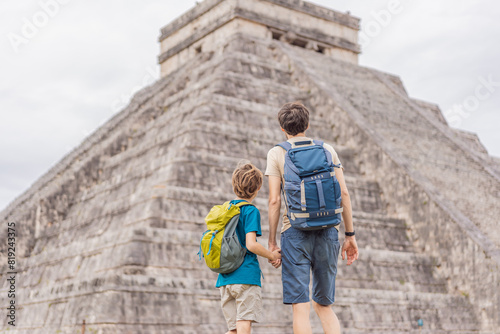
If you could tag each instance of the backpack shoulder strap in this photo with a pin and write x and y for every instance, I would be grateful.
(244, 203)
(318, 142)
(328, 154)
(285, 145)
(329, 157)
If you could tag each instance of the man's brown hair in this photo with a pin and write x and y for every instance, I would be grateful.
(247, 180)
(294, 118)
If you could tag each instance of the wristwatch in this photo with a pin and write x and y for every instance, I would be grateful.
(350, 234)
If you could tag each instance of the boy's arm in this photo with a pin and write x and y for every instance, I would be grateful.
(256, 248)
(350, 246)
(274, 209)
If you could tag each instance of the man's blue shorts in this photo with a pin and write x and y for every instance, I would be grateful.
(306, 251)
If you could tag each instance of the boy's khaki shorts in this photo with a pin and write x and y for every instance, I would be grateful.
(241, 302)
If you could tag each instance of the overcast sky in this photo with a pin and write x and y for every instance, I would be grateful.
(68, 65)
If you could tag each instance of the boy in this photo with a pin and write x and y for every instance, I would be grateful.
(304, 251)
(241, 289)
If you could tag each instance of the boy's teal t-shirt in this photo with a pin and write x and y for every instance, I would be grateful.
(249, 271)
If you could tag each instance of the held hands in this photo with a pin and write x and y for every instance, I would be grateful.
(276, 262)
(350, 248)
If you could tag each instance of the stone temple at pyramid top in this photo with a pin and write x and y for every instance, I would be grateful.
(206, 26)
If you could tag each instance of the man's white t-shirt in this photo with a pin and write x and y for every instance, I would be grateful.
(276, 167)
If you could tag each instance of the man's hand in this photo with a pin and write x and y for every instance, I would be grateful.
(350, 248)
(273, 247)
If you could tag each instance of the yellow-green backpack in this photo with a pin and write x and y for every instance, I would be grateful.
(219, 244)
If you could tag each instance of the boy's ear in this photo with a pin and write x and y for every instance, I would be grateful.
(282, 129)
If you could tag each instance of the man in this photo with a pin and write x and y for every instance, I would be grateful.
(303, 251)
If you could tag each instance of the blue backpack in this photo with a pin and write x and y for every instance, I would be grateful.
(311, 190)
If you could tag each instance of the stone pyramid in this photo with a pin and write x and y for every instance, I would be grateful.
(110, 234)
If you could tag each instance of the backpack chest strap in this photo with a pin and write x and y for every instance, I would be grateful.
(319, 176)
(316, 214)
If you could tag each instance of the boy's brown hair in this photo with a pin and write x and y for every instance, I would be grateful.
(294, 118)
(247, 180)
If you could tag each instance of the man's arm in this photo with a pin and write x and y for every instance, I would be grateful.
(274, 209)
(350, 246)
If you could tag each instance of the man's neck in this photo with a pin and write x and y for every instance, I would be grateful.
(303, 134)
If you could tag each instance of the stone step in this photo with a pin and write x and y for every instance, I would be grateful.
(245, 87)
(75, 255)
(365, 194)
(213, 132)
(129, 156)
(255, 114)
(137, 207)
(201, 169)
(162, 248)
(257, 67)
(359, 308)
